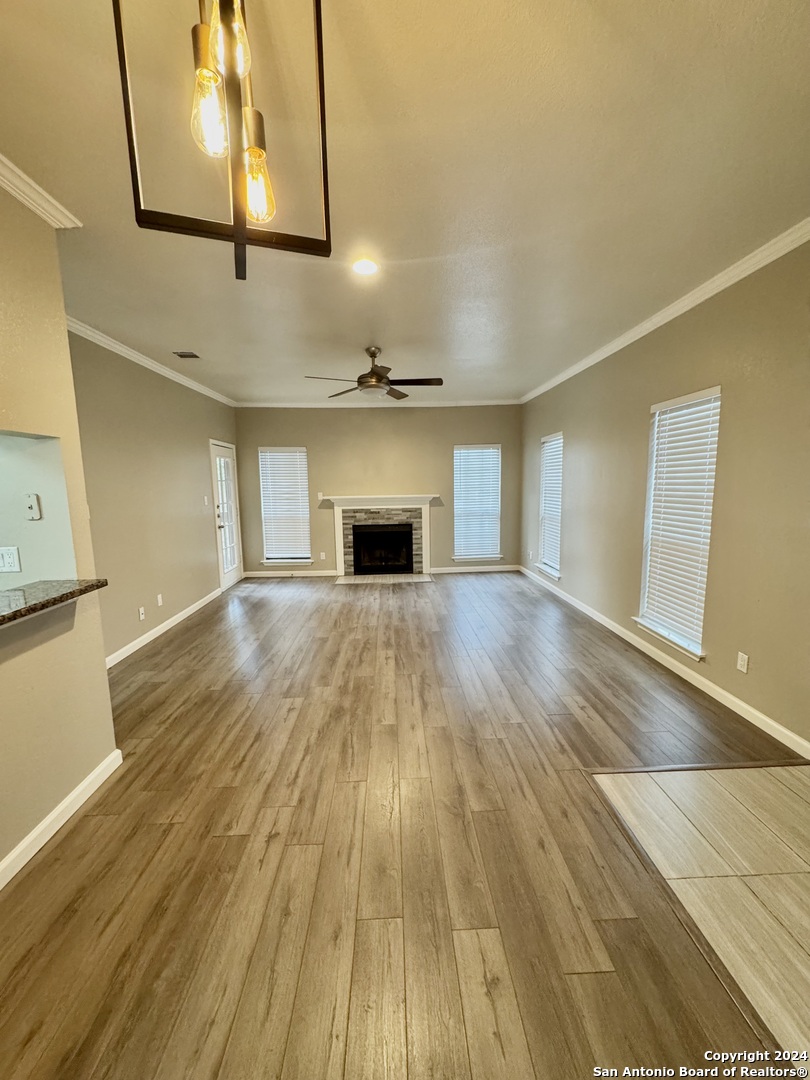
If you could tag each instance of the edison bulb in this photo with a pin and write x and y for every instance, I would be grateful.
(218, 39)
(209, 122)
(261, 203)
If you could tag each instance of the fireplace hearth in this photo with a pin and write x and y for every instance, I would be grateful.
(381, 510)
(381, 548)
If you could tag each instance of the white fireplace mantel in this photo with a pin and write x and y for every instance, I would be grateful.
(376, 502)
(373, 502)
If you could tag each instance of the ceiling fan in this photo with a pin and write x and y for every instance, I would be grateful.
(375, 382)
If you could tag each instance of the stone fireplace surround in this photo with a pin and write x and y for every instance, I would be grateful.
(385, 509)
(407, 515)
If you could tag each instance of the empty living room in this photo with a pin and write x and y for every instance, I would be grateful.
(404, 540)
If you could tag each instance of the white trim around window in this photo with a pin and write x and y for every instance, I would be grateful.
(550, 519)
(284, 487)
(477, 502)
(680, 493)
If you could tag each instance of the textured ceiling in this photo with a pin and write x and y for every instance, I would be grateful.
(535, 180)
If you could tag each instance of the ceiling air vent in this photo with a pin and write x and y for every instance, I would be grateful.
(186, 354)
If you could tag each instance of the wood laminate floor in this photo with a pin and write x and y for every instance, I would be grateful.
(734, 845)
(354, 836)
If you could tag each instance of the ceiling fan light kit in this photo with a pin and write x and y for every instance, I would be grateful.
(375, 381)
(226, 124)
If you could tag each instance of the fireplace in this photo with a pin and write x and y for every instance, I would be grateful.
(382, 548)
(351, 510)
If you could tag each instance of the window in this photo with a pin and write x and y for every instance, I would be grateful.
(680, 488)
(551, 460)
(285, 503)
(477, 502)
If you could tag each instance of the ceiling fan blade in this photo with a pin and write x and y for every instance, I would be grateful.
(328, 378)
(340, 393)
(396, 394)
(417, 382)
(381, 369)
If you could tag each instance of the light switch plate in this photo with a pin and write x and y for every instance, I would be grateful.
(9, 560)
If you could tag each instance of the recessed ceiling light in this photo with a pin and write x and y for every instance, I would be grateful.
(365, 267)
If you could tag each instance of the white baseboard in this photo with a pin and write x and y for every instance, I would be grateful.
(474, 569)
(291, 573)
(38, 837)
(759, 719)
(156, 631)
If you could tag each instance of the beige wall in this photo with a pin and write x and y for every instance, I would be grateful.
(146, 449)
(147, 464)
(379, 451)
(55, 723)
(45, 545)
(753, 340)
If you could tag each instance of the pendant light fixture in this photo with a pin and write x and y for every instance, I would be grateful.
(218, 38)
(225, 124)
(260, 201)
(209, 118)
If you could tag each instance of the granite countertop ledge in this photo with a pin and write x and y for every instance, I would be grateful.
(39, 596)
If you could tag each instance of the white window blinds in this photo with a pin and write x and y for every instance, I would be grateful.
(683, 453)
(551, 462)
(477, 501)
(285, 502)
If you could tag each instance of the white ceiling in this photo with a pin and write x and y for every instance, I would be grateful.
(535, 179)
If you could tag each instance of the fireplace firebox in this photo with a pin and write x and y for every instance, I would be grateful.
(383, 549)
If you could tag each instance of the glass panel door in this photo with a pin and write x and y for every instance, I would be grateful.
(223, 465)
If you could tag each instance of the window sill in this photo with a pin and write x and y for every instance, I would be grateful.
(657, 633)
(287, 562)
(547, 571)
(477, 558)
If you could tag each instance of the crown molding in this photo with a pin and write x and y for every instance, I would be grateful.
(749, 264)
(768, 253)
(106, 342)
(369, 404)
(30, 194)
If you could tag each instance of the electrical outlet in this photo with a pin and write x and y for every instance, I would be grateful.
(742, 662)
(160, 599)
(141, 614)
(9, 560)
(531, 555)
(205, 500)
(323, 554)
